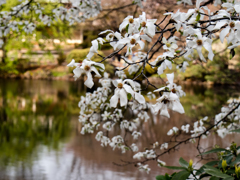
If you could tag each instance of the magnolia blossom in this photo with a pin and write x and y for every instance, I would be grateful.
(121, 92)
(130, 23)
(147, 25)
(172, 131)
(164, 62)
(94, 47)
(136, 134)
(167, 101)
(170, 44)
(86, 67)
(185, 128)
(130, 41)
(161, 163)
(199, 42)
(172, 86)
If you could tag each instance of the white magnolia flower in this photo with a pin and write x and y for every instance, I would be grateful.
(121, 74)
(131, 41)
(199, 42)
(164, 62)
(182, 67)
(164, 146)
(172, 86)
(168, 100)
(233, 28)
(86, 68)
(185, 128)
(172, 131)
(131, 24)
(136, 134)
(147, 25)
(161, 163)
(105, 81)
(134, 147)
(121, 92)
(94, 47)
(170, 44)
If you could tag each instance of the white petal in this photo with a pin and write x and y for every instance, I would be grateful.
(168, 63)
(199, 50)
(146, 37)
(72, 63)
(100, 65)
(78, 72)
(164, 111)
(161, 68)
(223, 33)
(219, 24)
(108, 30)
(141, 44)
(160, 89)
(128, 89)
(156, 107)
(170, 78)
(114, 101)
(123, 98)
(89, 82)
(139, 98)
(96, 71)
(208, 47)
(177, 106)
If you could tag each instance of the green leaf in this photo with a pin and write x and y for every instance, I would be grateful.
(182, 175)
(204, 175)
(127, 28)
(198, 17)
(183, 163)
(236, 160)
(214, 178)
(166, 177)
(99, 46)
(216, 172)
(129, 96)
(215, 150)
(211, 163)
(175, 167)
(160, 177)
(236, 130)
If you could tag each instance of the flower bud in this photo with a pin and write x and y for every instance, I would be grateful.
(224, 164)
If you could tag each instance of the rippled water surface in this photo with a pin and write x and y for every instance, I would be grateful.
(40, 139)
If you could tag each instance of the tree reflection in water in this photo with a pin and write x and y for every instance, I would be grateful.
(40, 139)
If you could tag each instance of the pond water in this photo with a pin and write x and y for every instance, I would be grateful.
(40, 135)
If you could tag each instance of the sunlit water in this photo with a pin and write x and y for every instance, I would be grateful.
(40, 138)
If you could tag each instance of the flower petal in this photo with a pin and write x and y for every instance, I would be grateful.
(139, 98)
(128, 89)
(89, 82)
(114, 100)
(164, 111)
(123, 97)
(177, 106)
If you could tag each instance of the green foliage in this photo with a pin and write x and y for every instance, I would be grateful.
(225, 168)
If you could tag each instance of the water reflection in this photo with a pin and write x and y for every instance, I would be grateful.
(40, 139)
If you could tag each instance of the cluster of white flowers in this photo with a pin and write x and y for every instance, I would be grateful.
(224, 128)
(198, 27)
(198, 127)
(143, 167)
